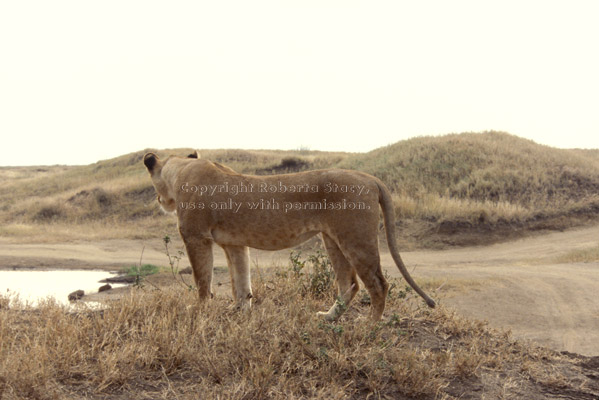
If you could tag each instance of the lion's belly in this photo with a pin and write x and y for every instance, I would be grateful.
(274, 240)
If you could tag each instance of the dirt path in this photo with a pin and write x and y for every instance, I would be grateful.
(515, 286)
(512, 285)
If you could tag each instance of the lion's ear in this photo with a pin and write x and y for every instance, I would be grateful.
(150, 161)
(195, 154)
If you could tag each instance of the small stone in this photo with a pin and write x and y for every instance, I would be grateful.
(104, 288)
(76, 295)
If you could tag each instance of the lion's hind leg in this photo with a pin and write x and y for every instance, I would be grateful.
(377, 287)
(345, 275)
(371, 274)
(366, 262)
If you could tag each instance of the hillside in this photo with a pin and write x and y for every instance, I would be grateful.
(455, 189)
(492, 184)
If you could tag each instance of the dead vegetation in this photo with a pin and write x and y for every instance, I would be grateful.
(164, 344)
(585, 255)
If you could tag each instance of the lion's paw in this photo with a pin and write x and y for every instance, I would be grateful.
(326, 315)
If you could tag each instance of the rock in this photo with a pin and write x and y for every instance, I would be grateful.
(104, 288)
(76, 295)
(120, 279)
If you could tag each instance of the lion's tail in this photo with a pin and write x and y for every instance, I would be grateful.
(389, 219)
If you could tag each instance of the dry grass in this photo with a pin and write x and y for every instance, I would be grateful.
(440, 208)
(61, 232)
(582, 255)
(450, 286)
(164, 344)
(590, 254)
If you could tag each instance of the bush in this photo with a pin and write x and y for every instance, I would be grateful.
(315, 273)
(140, 272)
(48, 213)
(144, 270)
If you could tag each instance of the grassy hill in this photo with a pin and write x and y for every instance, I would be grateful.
(455, 189)
(492, 184)
(492, 167)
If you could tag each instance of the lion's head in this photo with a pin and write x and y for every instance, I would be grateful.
(164, 192)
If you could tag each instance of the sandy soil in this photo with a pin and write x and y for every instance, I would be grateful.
(512, 285)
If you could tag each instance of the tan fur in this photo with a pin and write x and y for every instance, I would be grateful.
(350, 235)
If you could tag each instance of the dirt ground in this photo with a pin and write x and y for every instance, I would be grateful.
(512, 285)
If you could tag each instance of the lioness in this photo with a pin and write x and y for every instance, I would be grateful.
(215, 204)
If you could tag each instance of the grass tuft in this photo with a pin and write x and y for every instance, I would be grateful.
(587, 255)
(144, 270)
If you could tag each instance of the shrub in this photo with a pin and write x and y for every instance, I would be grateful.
(144, 270)
(141, 271)
(48, 213)
(315, 273)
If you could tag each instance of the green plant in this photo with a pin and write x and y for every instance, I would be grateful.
(315, 273)
(334, 328)
(142, 271)
(173, 261)
(297, 264)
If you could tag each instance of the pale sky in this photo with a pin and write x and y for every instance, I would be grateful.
(82, 81)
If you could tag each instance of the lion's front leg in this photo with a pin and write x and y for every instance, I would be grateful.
(238, 259)
(199, 251)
